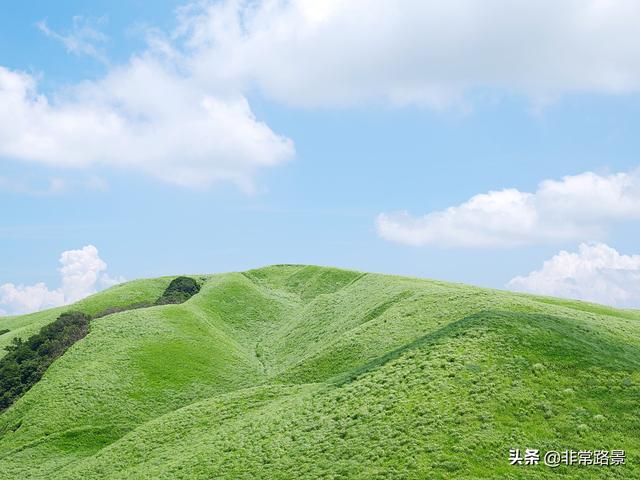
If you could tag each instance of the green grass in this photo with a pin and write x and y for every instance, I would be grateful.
(306, 372)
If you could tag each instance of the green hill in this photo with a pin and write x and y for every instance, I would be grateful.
(308, 372)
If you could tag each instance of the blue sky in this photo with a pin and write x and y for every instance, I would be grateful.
(292, 171)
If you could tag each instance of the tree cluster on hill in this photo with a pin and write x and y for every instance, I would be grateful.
(179, 290)
(26, 361)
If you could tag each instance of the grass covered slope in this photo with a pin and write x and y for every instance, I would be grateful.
(294, 371)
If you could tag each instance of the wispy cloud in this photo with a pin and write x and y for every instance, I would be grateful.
(52, 186)
(83, 38)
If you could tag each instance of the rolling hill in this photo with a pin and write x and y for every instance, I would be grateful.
(297, 371)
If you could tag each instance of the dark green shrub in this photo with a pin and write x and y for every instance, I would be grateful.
(179, 290)
(4, 330)
(25, 362)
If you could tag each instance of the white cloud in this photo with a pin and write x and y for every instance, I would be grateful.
(30, 298)
(141, 117)
(578, 207)
(81, 272)
(332, 52)
(151, 115)
(178, 110)
(597, 273)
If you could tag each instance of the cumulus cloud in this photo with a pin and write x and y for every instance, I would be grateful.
(81, 271)
(29, 298)
(596, 273)
(143, 117)
(578, 207)
(333, 52)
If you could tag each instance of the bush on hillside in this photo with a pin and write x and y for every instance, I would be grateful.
(4, 330)
(179, 290)
(26, 361)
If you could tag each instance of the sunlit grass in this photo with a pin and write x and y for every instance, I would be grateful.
(305, 372)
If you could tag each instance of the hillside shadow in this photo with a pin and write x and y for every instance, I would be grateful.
(551, 336)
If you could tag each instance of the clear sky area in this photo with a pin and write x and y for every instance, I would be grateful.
(475, 142)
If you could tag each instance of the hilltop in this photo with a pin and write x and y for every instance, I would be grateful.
(295, 371)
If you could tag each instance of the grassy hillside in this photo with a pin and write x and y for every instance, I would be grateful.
(308, 372)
